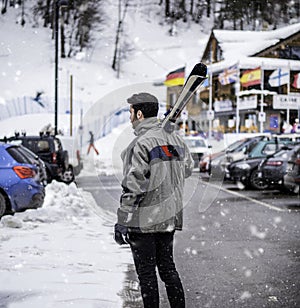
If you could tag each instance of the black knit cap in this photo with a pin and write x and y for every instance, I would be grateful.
(142, 98)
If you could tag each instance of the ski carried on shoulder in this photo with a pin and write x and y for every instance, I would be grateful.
(193, 82)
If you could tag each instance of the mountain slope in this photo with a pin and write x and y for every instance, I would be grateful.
(27, 56)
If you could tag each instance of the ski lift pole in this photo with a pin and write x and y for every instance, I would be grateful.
(71, 105)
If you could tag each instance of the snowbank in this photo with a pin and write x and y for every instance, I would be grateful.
(62, 254)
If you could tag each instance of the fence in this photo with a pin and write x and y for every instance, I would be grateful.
(29, 105)
(104, 115)
(112, 109)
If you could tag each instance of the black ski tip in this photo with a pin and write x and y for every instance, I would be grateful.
(199, 69)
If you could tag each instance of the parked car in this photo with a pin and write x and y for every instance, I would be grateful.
(20, 185)
(50, 150)
(70, 144)
(246, 170)
(291, 179)
(198, 147)
(273, 168)
(35, 160)
(219, 161)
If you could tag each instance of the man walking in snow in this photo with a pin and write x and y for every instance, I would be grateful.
(155, 165)
(91, 145)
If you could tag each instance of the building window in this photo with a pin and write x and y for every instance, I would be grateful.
(172, 99)
(290, 52)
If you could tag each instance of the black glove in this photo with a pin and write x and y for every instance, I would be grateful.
(120, 235)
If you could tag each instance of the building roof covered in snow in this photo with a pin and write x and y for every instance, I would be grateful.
(269, 49)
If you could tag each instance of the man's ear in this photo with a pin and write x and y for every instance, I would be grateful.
(139, 114)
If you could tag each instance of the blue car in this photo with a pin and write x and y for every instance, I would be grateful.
(20, 185)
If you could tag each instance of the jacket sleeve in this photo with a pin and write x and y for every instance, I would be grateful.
(135, 184)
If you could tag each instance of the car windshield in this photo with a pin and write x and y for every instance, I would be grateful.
(235, 145)
(43, 146)
(195, 143)
(282, 153)
(270, 149)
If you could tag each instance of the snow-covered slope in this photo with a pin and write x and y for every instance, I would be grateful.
(27, 56)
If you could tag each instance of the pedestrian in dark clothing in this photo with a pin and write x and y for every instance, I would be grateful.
(155, 165)
(91, 145)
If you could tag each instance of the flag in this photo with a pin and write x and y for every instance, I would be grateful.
(296, 83)
(251, 77)
(175, 78)
(279, 77)
(229, 75)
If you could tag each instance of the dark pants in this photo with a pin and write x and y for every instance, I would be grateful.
(91, 145)
(151, 250)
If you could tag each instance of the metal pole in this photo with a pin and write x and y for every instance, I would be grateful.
(237, 93)
(23, 13)
(56, 66)
(57, 4)
(71, 105)
(288, 93)
(210, 103)
(81, 129)
(262, 99)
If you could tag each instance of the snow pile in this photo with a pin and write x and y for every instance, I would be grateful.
(62, 203)
(63, 253)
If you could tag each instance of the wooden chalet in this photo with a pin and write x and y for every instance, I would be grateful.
(258, 108)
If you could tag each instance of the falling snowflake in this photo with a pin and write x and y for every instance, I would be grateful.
(245, 295)
(256, 233)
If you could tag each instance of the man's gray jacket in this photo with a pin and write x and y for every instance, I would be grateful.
(155, 165)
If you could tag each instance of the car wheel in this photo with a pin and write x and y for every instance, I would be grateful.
(68, 175)
(296, 189)
(256, 181)
(292, 190)
(2, 205)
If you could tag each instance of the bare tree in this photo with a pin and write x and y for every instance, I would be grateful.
(4, 6)
(167, 8)
(77, 22)
(121, 17)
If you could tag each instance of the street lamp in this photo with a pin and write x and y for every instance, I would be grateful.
(58, 4)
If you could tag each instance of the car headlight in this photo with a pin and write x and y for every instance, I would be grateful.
(244, 166)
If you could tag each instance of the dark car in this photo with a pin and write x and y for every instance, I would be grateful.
(218, 162)
(291, 180)
(246, 170)
(274, 167)
(20, 185)
(50, 150)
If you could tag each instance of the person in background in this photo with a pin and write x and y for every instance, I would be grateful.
(296, 127)
(91, 145)
(155, 165)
